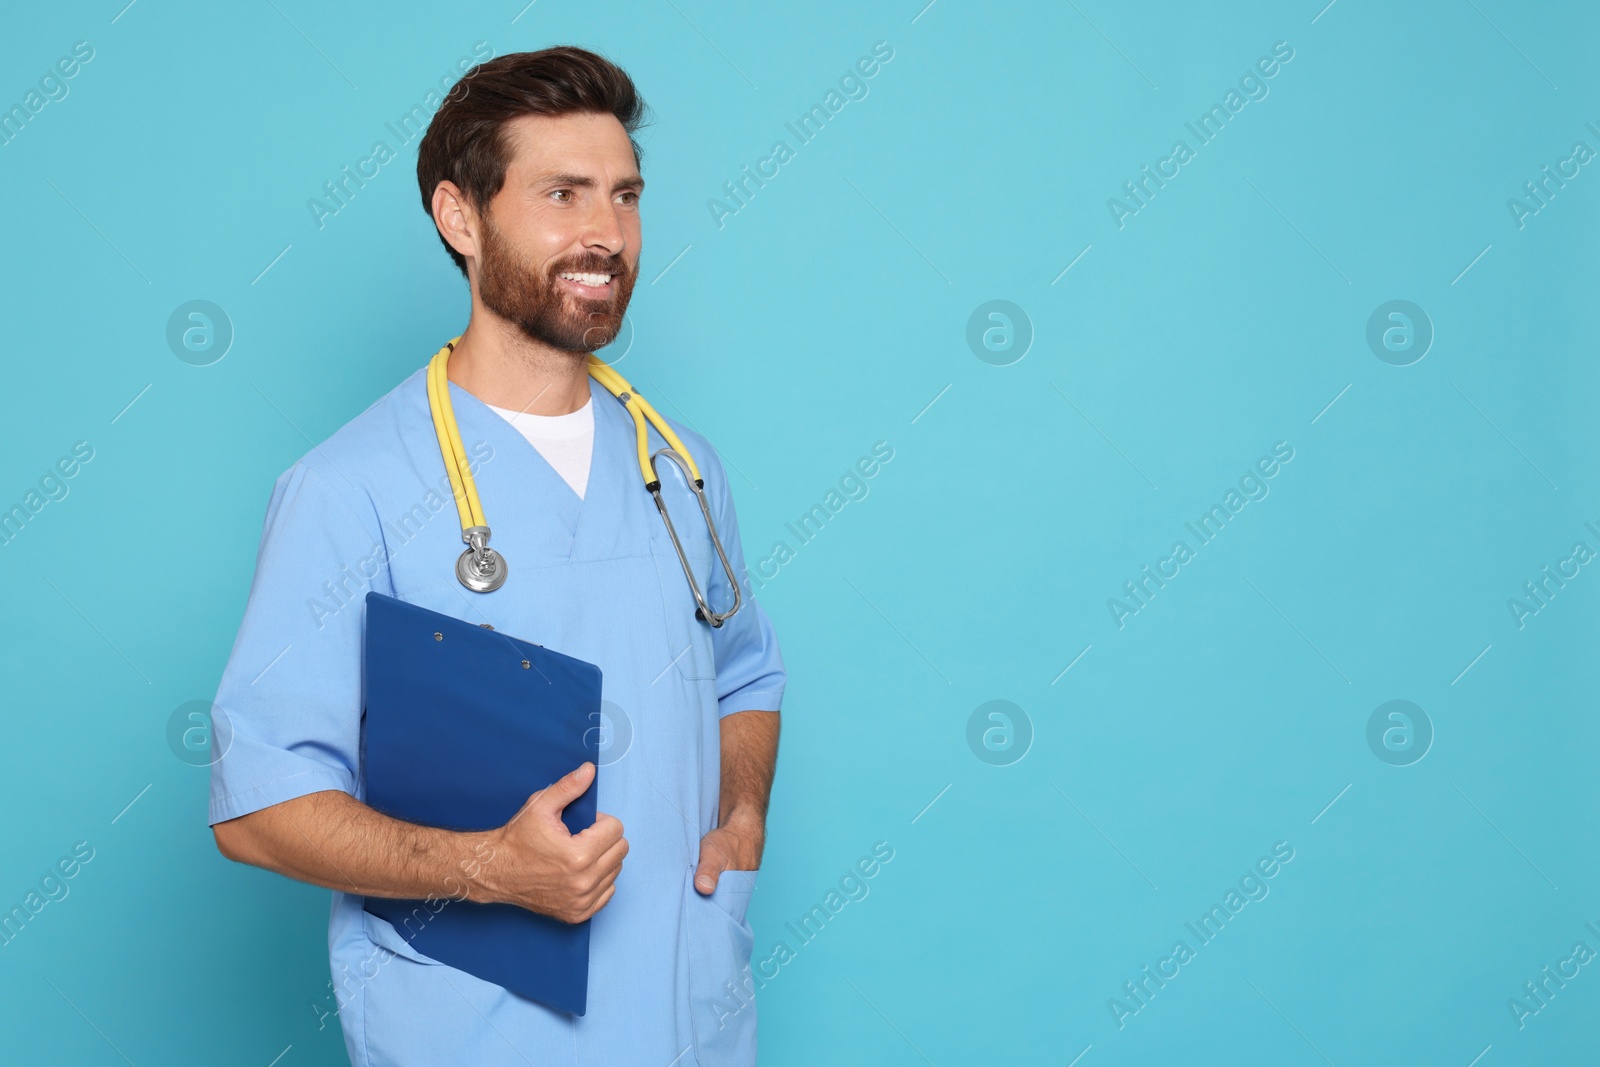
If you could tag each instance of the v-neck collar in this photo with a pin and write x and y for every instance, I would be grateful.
(539, 484)
(582, 419)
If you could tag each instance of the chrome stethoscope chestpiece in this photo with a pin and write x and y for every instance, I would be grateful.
(480, 568)
(483, 570)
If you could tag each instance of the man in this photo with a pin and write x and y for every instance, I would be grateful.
(530, 172)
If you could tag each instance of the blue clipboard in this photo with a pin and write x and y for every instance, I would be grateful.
(461, 724)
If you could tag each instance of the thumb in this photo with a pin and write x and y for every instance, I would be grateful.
(709, 870)
(564, 790)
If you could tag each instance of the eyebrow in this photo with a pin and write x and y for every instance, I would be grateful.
(634, 182)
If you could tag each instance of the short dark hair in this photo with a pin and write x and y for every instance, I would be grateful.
(466, 142)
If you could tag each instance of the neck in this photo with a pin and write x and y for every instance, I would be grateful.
(502, 366)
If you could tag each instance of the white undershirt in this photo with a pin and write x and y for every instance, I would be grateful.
(565, 441)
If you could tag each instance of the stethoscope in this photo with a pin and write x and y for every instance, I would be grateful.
(481, 568)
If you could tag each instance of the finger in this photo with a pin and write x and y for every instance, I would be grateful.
(610, 861)
(603, 883)
(721, 847)
(564, 790)
(605, 832)
(604, 898)
(609, 825)
(595, 856)
(712, 863)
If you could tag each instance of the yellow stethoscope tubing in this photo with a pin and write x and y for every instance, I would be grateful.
(641, 409)
(464, 486)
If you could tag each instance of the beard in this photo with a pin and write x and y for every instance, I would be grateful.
(520, 293)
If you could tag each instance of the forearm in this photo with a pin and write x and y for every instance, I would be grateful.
(749, 760)
(331, 839)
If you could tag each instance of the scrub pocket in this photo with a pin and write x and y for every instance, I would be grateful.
(722, 1007)
(401, 1009)
(383, 934)
(688, 645)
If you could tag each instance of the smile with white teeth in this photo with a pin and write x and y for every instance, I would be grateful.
(594, 281)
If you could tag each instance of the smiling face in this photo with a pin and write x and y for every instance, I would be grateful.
(558, 246)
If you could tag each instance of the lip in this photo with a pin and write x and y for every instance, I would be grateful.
(590, 292)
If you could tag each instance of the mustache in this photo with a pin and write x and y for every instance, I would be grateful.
(615, 266)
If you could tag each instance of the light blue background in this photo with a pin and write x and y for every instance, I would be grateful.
(1227, 315)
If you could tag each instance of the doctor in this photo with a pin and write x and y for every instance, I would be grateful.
(531, 175)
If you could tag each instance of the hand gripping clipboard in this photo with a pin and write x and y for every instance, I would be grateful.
(461, 725)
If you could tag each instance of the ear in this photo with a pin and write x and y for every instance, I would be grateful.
(456, 218)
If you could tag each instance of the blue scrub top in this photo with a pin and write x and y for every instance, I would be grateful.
(594, 577)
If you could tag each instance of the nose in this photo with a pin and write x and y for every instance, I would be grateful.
(603, 231)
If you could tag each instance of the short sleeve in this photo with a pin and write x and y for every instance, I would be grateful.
(287, 716)
(750, 673)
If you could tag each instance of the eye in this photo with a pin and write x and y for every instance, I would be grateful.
(563, 193)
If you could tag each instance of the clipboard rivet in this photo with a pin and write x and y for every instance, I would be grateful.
(526, 665)
(438, 636)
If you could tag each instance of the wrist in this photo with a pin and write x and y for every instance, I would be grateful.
(474, 878)
(749, 827)
(745, 818)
